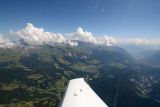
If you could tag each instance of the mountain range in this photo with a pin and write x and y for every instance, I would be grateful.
(36, 75)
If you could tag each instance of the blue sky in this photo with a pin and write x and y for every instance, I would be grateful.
(119, 18)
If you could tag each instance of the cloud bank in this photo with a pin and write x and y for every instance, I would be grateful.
(37, 36)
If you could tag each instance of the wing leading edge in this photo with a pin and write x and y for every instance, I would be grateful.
(79, 94)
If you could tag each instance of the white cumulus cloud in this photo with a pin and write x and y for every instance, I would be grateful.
(107, 40)
(85, 36)
(35, 35)
(82, 35)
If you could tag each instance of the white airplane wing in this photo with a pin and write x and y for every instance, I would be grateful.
(79, 94)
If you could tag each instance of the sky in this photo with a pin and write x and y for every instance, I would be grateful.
(117, 18)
